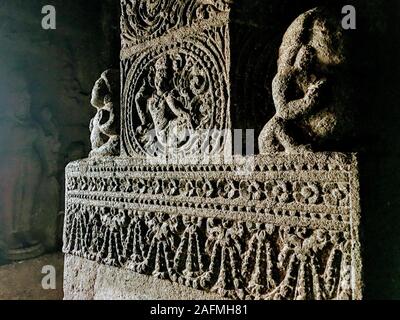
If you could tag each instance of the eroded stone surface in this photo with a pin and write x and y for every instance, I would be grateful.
(176, 83)
(276, 227)
(283, 225)
(89, 280)
(105, 126)
(143, 20)
(308, 93)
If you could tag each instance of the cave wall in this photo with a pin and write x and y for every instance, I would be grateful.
(59, 68)
(376, 71)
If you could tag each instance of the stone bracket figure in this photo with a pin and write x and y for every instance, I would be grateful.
(104, 127)
(289, 79)
(301, 88)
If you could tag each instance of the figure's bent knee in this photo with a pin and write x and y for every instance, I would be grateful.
(267, 137)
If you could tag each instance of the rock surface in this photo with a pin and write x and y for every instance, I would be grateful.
(265, 227)
(23, 280)
(89, 280)
(309, 90)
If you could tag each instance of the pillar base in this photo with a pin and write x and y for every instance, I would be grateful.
(88, 280)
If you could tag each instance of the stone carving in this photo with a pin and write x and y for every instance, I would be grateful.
(200, 226)
(308, 100)
(175, 98)
(143, 20)
(175, 70)
(104, 127)
(22, 148)
(49, 188)
(281, 226)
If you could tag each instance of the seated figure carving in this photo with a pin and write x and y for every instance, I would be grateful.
(162, 118)
(308, 100)
(104, 127)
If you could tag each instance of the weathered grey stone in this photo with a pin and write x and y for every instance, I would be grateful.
(279, 227)
(105, 126)
(282, 225)
(88, 280)
(308, 93)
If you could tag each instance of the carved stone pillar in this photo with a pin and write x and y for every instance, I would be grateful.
(161, 222)
(175, 63)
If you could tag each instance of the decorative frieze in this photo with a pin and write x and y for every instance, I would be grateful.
(283, 227)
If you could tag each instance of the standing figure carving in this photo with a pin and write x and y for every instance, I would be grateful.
(20, 169)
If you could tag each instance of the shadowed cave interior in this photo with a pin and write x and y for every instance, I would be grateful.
(54, 70)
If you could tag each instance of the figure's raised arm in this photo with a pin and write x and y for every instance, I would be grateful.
(175, 109)
(291, 109)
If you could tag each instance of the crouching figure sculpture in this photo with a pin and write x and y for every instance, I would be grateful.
(308, 96)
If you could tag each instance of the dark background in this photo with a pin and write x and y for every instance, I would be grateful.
(61, 66)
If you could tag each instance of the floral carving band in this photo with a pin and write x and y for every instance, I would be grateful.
(265, 227)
